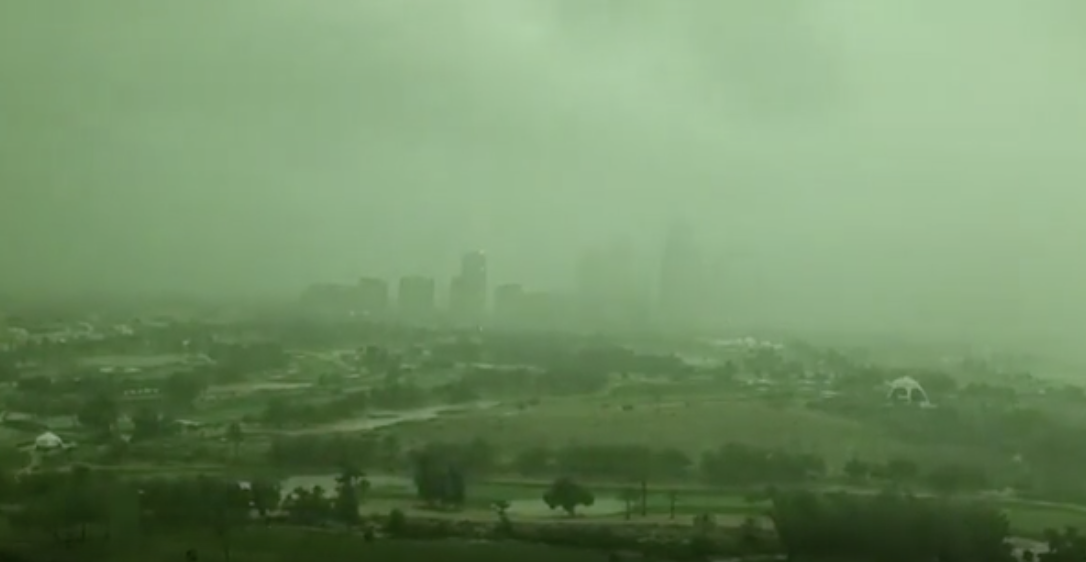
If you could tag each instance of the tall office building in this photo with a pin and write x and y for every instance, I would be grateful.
(372, 296)
(330, 298)
(609, 294)
(468, 292)
(509, 302)
(681, 290)
(416, 297)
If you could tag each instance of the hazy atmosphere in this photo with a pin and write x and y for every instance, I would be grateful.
(893, 164)
(536, 280)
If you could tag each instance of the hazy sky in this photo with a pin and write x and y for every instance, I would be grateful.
(854, 160)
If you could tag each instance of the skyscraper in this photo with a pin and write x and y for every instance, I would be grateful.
(681, 279)
(609, 294)
(373, 296)
(468, 292)
(416, 297)
(509, 303)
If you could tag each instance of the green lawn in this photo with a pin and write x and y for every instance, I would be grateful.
(692, 425)
(1031, 521)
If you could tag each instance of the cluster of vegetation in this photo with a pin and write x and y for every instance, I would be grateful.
(997, 423)
(73, 507)
(944, 479)
(731, 465)
(618, 461)
(311, 451)
(80, 507)
(890, 526)
(737, 464)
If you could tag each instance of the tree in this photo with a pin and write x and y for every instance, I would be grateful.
(438, 482)
(182, 389)
(235, 435)
(99, 413)
(122, 514)
(351, 484)
(629, 496)
(644, 497)
(146, 425)
(889, 526)
(505, 525)
(62, 505)
(857, 470)
(951, 478)
(389, 450)
(479, 456)
(396, 524)
(34, 385)
(533, 460)
(265, 495)
(84, 501)
(276, 412)
(226, 507)
(750, 533)
(1064, 546)
(900, 471)
(9, 368)
(308, 506)
(670, 463)
(568, 494)
(455, 488)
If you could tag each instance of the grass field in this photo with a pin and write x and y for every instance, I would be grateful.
(694, 425)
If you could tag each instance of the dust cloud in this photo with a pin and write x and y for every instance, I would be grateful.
(845, 165)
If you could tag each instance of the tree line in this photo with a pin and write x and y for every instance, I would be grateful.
(80, 506)
(730, 465)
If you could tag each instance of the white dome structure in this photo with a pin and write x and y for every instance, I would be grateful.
(907, 389)
(48, 441)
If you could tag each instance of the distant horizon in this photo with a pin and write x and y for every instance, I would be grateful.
(837, 165)
(1060, 345)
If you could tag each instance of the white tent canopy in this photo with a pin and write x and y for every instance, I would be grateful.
(908, 389)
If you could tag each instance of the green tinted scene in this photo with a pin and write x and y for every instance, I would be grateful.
(511, 280)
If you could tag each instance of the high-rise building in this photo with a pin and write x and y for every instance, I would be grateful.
(509, 302)
(372, 296)
(681, 290)
(609, 293)
(547, 310)
(458, 299)
(416, 297)
(468, 292)
(5, 333)
(330, 298)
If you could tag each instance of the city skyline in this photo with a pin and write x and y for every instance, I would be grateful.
(606, 290)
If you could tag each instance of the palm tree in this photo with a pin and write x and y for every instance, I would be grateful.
(235, 436)
(629, 496)
(351, 475)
